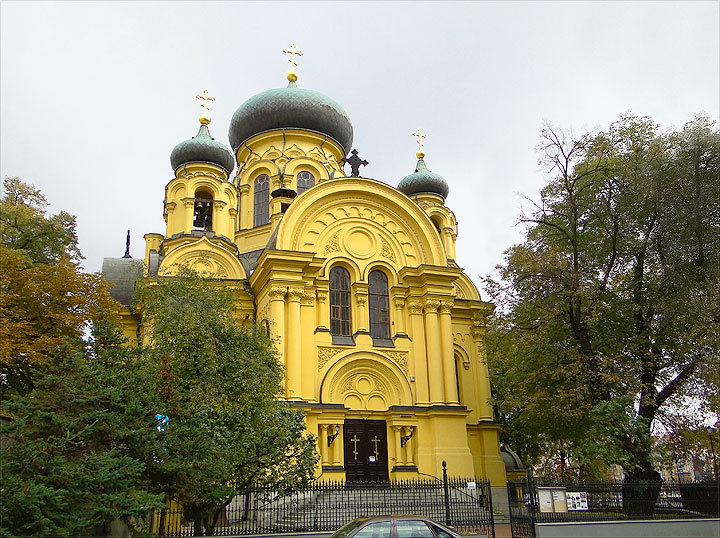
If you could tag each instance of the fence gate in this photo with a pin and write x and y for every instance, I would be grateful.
(522, 513)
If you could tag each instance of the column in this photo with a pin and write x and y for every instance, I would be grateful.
(277, 314)
(337, 443)
(323, 444)
(399, 459)
(219, 221)
(189, 204)
(419, 369)
(399, 303)
(448, 353)
(360, 321)
(233, 225)
(434, 352)
(483, 390)
(408, 448)
(294, 343)
(245, 207)
(323, 313)
(170, 218)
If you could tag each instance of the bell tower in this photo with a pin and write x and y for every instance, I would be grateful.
(200, 201)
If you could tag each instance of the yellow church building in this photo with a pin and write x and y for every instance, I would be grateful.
(380, 331)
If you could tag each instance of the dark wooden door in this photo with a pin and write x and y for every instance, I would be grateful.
(366, 451)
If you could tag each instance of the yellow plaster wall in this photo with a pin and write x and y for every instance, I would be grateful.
(363, 225)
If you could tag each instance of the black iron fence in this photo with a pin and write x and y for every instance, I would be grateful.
(544, 501)
(466, 505)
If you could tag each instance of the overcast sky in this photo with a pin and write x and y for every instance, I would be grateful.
(95, 95)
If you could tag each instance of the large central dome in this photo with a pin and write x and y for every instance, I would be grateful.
(291, 107)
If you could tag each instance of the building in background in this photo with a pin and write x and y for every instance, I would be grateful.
(381, 332)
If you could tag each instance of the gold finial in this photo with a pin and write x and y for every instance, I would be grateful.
(293, 51)
(419, 136)
(205, 96)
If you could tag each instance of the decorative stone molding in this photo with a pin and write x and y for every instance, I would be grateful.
(386, 251)
(204, 173)
(308, 298)
(296, 294)
(325, 354)
(332, 244)
(431, 306)
(277, 293)
(400, 358)
(415, 307)
(219, 204)
(446, 307)
(170, 206)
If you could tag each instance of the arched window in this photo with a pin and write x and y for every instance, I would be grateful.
(340, 301)
(379, 306)
(203, 211)
(305, 180)
(262, 200)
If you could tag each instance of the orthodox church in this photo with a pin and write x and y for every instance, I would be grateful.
(380, 331)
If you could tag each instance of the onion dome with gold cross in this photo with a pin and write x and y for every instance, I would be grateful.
(423, 181)
(203, 147)
(292, 108)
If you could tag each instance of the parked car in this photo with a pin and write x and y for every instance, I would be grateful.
(394, 527)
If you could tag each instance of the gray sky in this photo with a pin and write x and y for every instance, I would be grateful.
(95, 95)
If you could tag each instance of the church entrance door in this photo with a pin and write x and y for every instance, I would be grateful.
(366, 451)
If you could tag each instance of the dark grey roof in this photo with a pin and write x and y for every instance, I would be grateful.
(122, 272)
(202, 148)
(424, 181)
(291, 107)
(511, 460)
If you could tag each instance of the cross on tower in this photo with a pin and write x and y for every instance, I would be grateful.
(205, 96)
(354, 161)
(293, 51)
(419, 136)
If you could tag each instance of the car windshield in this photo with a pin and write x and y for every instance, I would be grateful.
(346, 529)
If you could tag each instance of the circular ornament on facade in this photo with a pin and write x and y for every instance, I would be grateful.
(363, 386)
(360, 243)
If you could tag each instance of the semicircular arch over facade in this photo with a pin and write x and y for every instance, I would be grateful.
(365, 380)
(363, 219)
(205, 257)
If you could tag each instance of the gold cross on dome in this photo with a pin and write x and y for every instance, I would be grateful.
(205, 96)
(293, 51)
(419, 136)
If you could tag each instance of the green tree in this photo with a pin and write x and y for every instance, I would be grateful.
(219, 384)
(608, 316)
(74, 453)
(25, 226)
(46, 301)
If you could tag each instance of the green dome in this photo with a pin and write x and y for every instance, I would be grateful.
(202, 148)
(291, 107)
(424, 181)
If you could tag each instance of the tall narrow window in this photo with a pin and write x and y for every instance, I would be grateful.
(379, 306)
(305, 180)
(203, 211)
(339, 301)
(262, 200)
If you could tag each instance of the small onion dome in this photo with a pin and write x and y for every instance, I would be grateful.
(512, 461)
(291, 107)
(202, 148)
(423, 181)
